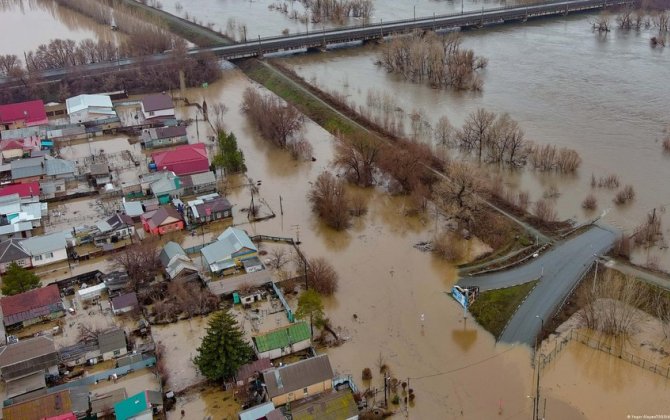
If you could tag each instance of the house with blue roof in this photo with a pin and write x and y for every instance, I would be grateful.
(229, 251)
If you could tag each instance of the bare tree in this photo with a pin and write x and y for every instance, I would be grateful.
(330, 201)
(357, 155)
(477, 132)
(277, 121)
(625, 195)
(590, 202)
(456, 197)
(544, 211)
(322, 276)
(140, 261)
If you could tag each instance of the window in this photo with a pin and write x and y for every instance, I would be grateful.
(37, 258)
(304, 390)
(151, 113)
(117, 352)
(48, 255)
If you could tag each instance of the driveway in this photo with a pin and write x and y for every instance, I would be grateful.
(559, 270)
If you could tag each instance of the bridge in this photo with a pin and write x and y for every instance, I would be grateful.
(367, 32)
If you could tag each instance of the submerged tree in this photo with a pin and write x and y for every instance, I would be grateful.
(330, 201)
(229, 157)
(18, 280)
(223, 350)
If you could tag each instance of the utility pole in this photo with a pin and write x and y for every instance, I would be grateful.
(595, 275)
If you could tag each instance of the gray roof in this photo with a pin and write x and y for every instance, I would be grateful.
(232, 240)
(328, 406)
(164, 185)
(202, 178)
(170, 250)
(119, 221)
(11, 251)
(56, 167)
(26, 168)
(26, 384)
(79, 398)
(133, 208)
(125, 301)
(157, 102)
(111, 340)
(27, 357)
(106, 401)
(298, 375)
(99, 169)
(38, 245)
(169, 132)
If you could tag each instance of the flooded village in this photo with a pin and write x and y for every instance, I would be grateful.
(467, 223)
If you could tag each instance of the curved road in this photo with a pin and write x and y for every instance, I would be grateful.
(560, 269)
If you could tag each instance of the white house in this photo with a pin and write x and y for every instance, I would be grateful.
(84, 108)
(231, 248)
(46, 249)
(157, 106)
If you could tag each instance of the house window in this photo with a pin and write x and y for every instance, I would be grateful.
(304, 391)
(117, 352)
(37, 258)
(151, 113)
(49, 255)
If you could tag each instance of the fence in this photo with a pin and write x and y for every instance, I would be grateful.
(599, 344)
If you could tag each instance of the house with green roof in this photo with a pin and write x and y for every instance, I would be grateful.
(139, 406)
(283, 341)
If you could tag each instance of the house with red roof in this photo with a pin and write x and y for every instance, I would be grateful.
(27, 190)
(159, 222)
(31, 307)
(23, 114)
(183, 160)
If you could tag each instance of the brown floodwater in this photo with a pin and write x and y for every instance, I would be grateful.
(28, 23)
(599, 95)
(234, 14)
(456, 369)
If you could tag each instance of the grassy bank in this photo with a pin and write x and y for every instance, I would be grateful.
(198, 35)
(494, 308)
(315, 109)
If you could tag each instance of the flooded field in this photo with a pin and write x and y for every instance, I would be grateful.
(232, 15)
(35, 22)
(453, 365)
(566, 86)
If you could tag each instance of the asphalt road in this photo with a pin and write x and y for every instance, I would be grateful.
(559, 269)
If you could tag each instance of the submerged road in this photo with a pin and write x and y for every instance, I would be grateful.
(559, 270)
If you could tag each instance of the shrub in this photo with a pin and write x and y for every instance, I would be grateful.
(367, 374)
(666, 144)
(450, 247)
(625, 195)
(590, 202)
(321, 276)
(544, 211)
(330, 201)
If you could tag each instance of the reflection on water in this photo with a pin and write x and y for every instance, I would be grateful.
(35, 22)
(566, 86)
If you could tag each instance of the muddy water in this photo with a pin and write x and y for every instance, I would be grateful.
(249, 13)
(35, 22)
(566, 86)
(456, 368)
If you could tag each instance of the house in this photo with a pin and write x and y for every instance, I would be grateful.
(27, 357)
(163, 185)
(46, 249)
(116, 228)
(133, 209)
(99, 174)
(115, 281)
(112, 344)
(231, 248)
(283, 341)
(176, 263)
(328, 406)
(11, 251)
(23, 114)
(27, 170)
(124, 303)
(298, 380)
(13, 149)
(139, 406)
(157, 106)
(204, 211)
(266, 411)
(183, 160)
(26, 387)
(91, 293)
(31, 307)
(14, 209)
(153, 138)
(251, 370)
(25, 190)
(59, 168)
(201, 183)
(159, 222)
(102, 405)
(85, 108)
(79, 353)
(42, 407)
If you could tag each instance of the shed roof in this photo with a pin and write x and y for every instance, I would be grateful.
(169, 132)
(282, 337)
(26, 168)
(297, 375)
(157, 102)
(99, 169)
(213, 206)
(30, 111)
(133, 208)
(125, 301)
(105, 402)
(31, 304)
(111, 340)
(38, 245)
(258, 412)
(10, 250)
(81, 102)
(56, 167)
(247, 371)
(330, 406)
(203, 178)
(26, 384)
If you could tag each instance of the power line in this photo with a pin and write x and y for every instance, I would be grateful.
(446, 372)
